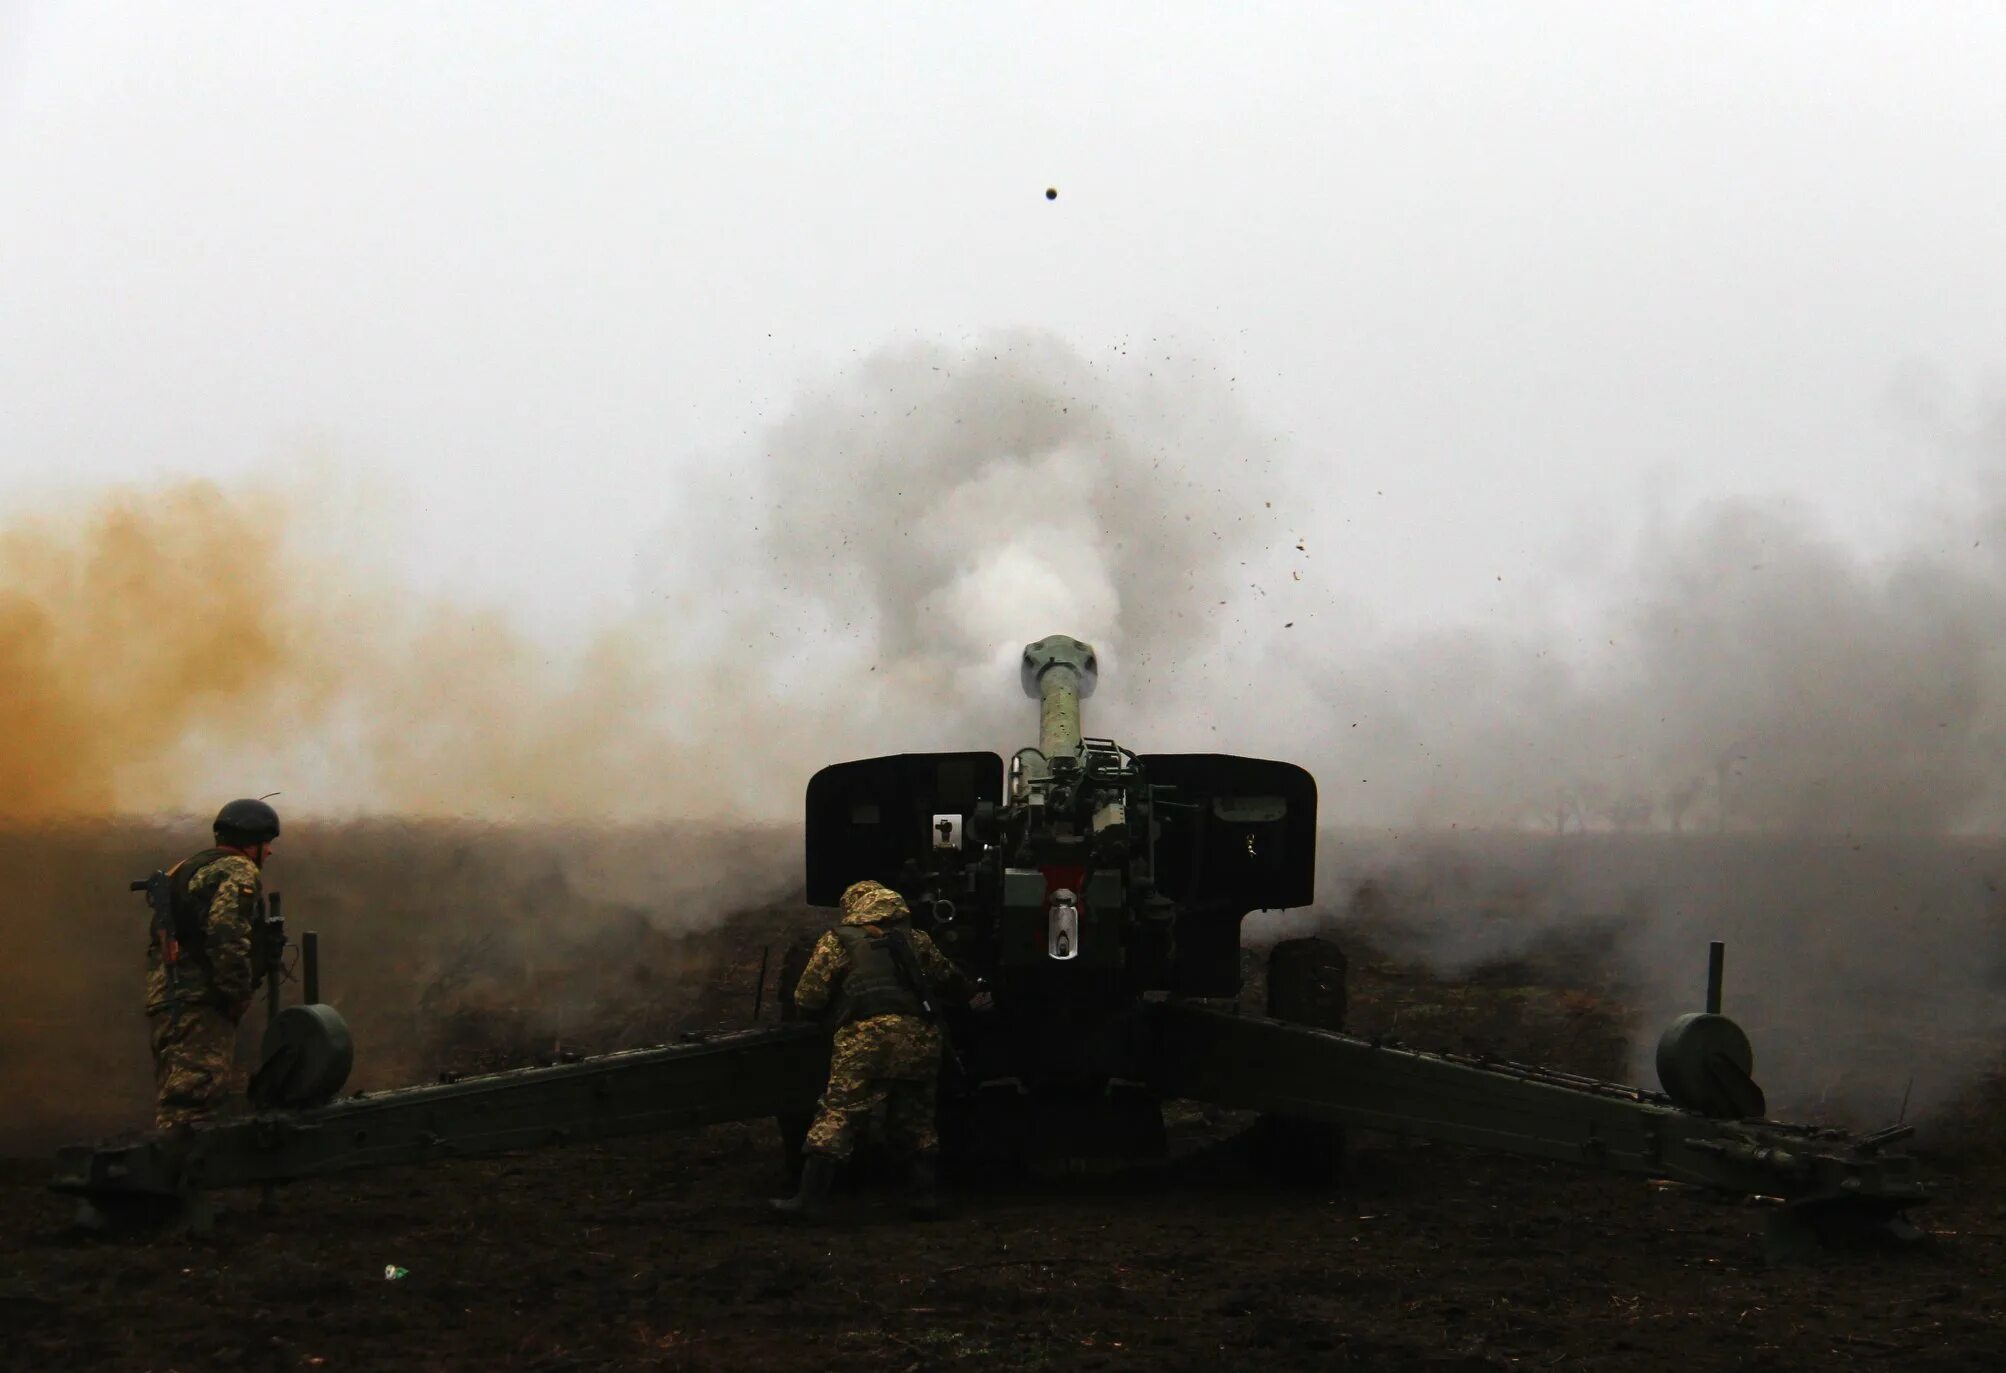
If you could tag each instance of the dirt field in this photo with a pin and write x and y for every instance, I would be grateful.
(654, 1254)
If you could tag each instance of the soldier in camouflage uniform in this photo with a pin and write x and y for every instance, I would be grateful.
(885, 1050)
(194, 1024)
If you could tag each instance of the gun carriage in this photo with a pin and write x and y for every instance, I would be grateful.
(1098, 894)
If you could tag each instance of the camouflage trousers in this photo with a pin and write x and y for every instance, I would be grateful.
(888, 1060)
(192, 1052)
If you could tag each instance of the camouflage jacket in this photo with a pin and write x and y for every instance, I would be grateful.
(868, 903)
(223, 973)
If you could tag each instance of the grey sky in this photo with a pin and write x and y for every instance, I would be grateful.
(1509, 275)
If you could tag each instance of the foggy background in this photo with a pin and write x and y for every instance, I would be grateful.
(1503, 282)
(1545, 422)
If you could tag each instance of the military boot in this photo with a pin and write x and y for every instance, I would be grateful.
(923, 1187)
(812, 1201)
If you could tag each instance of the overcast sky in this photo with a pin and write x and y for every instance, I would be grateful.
(1511, 275)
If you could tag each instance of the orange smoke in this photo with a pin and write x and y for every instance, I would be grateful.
(126, 627)
(163, 649)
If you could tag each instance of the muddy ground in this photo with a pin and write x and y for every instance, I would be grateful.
(654, 1253)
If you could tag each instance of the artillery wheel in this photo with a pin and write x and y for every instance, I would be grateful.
(793, 1126)
(1305, 987)
(1306, 983)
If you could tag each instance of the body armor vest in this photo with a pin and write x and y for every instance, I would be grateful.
(873, 985)
(191, 912)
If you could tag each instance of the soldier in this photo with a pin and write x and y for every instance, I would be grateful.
(885, 1050)
(194, 1022)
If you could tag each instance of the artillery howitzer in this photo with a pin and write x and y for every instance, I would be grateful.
(1098, 894)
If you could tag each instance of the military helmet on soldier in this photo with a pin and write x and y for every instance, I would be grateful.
(869, 902)
(247, 822)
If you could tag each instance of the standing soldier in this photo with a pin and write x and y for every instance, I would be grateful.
(201, 972)
(881, 975)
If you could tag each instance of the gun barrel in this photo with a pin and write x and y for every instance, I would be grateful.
(1060, 671)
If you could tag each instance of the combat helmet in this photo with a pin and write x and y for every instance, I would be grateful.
(872, 903)
(251, 820)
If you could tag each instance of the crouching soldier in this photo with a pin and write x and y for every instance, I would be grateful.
(882, 976)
